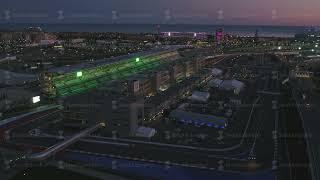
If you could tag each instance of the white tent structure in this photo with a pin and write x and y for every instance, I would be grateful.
(229, 85)
(216, 72)
(199, 96)
(215, 83)
(145, 132)
(234, 85)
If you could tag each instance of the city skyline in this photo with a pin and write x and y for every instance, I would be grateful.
(248, 12)
(169, 89)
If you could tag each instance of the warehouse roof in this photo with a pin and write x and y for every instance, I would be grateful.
(145, 132)
(215, 83)
(77, 67)
(12, 78)
(232, 84)
(200, 96)
(199, 119)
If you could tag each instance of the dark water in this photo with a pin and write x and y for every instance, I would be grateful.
(264, 31)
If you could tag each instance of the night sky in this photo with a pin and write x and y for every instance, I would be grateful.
(246, 12)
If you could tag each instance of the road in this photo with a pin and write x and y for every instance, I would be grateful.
(309, 111)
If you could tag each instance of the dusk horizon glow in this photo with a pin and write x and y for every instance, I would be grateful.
(248, 12)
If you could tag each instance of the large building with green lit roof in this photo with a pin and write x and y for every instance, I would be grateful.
(80, 78)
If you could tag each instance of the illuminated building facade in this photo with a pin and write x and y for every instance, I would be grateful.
(219, 36)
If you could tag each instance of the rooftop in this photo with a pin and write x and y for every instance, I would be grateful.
(100, 62)
(199, 119)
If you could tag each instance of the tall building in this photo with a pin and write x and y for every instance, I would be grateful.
(256, 35)
(219, 36)
(127, 115)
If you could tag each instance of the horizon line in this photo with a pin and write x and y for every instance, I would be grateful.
(156, 24)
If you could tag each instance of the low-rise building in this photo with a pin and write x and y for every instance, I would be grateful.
(199, 96)
(145, 132)
(199, 119)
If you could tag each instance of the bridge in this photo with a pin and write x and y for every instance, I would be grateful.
(62, 145)
(36, 114)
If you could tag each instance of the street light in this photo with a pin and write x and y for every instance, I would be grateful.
(299, 48)
(137, 59)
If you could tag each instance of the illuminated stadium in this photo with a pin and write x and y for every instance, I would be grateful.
(71, 80)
